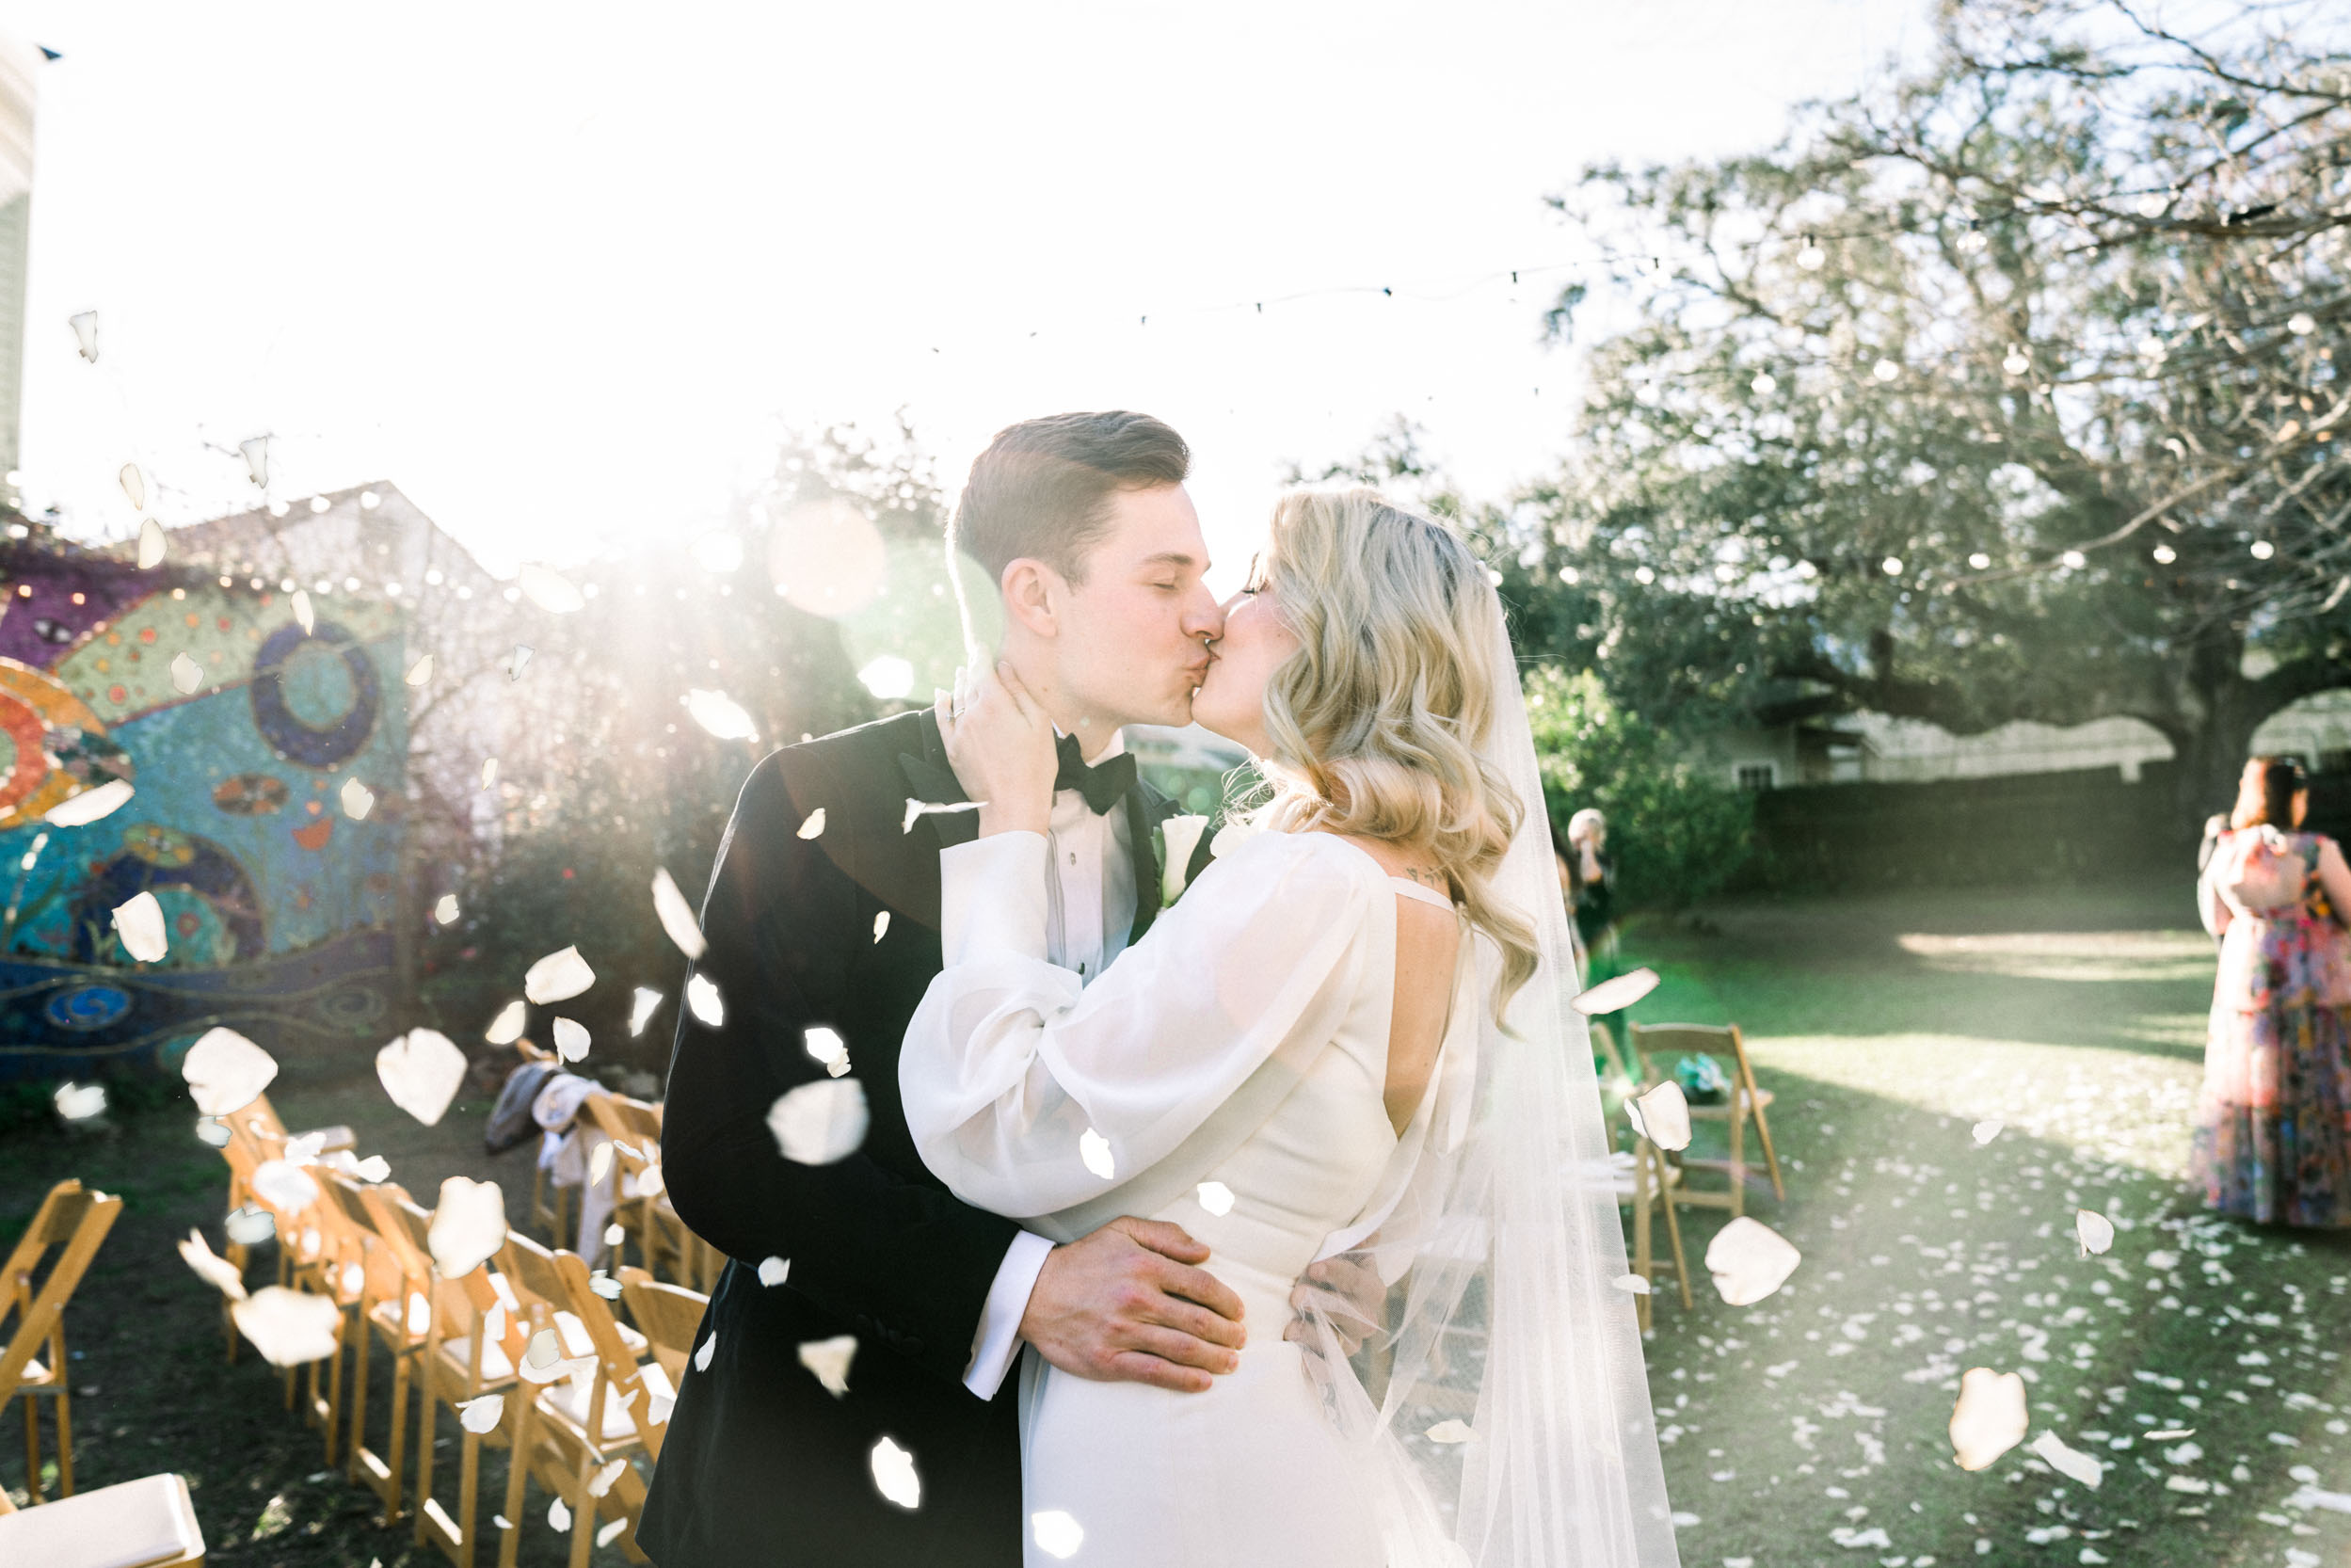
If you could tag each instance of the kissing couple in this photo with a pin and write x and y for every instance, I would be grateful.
(1272, 1155)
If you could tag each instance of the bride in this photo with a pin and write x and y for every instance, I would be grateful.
(1348, 1048)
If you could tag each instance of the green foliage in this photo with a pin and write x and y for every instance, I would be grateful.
(1676, 833)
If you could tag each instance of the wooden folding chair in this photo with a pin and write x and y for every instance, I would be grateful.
(551, 1201)
(472, 1346)
(572, 1428)
(395, 1311)
(147, 1522)
(669, 1316)
(643, 1206)
(1647, 1184)
(74, 1221)
(1745, 1102)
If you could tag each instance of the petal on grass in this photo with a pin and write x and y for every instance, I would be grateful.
(2068, 1461)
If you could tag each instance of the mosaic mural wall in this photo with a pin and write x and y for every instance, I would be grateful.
(279, 905)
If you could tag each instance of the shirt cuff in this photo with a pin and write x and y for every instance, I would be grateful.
(998, 1338)
(992, 898)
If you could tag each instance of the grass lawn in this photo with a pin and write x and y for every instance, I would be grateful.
(1807, 1429)
(1810, 1428)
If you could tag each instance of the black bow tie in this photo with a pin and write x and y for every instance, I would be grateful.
(1102, 785)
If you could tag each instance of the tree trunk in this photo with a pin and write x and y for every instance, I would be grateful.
(2225, 710)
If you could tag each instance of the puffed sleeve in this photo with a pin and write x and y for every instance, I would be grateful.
(1009, 1063)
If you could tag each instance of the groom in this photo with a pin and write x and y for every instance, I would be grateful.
(1082, 521)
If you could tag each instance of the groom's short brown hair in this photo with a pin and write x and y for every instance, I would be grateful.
(1042, 487)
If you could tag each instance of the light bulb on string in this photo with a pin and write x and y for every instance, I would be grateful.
(2165, 555)
(86, 333)
(256, 452)
(1811, 258)
(1764, 385)
(2018, 361)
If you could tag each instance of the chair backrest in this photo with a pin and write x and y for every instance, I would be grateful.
(1678, 1040)
(667, 1315)
(74, 1221)
(619, 1368)
(632, 1122)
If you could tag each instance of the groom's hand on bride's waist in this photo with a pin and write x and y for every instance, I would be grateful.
(1129, 1303)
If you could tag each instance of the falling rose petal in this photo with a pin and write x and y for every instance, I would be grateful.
(558, 977)
(830, 1360)
(186, 674)
(211, 1129)
(1984, 1132)
(610, 1530)
(813, 824)
(823, 1046)
(134, 486)
(1057, 1534)
(881, 926)
(613, 1235)
(603, 1480)
(677, 915)
(153, 546)
(249, 1226)
(2068, 1461)
(420, 673)
(375, 1168)
(1615, 995)
(600, 1166)
(483, 1414)
(518, 661)
(91, 805)
(894, 1477)
(288, 1327)
(1990, 1417)
(1216, 1198)
(1661, 1116)
(305, 615)
(1450, 1431)
(79, 1102)
(549, 589)
(657, 1409)
(702, 1355)
(445, 910)
(1632, 1284)
(422, 1071)
(721, 714)
(225, 1071)
(774, 1271)
(2093, 1230)
(283, 1186)
(651, 1182)
(468, 1223)
(1095, 1150)
(558, 1517)
(918, 809)
(641, 1009)
(703, 1000)
(489, 772)
(604, 1286)
(358, 800)
(138, 920)
(571, 1040)
(505, 1029)
(1749, 1260)
(913, 814)
(211, 1267)
(303, 1148)
(820, 1123)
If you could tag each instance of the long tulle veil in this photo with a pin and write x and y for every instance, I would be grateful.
(1504, 1408)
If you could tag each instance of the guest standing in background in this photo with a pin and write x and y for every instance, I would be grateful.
(1563, 857)
(1595, 877)
(2273, 1134)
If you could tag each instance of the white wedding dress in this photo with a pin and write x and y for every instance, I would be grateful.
(1235, 1056)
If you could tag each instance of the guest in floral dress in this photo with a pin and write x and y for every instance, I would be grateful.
(2273, 1136)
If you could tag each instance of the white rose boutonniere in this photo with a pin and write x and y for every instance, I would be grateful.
(1178, 837)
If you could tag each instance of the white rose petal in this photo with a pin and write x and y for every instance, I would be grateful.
(250, 1225)
(468, 1223)
(81, 809)
(558, 1517)
(505, 1029)
(721, 714)
(358, 800)
(824, 1046)
(641, 1009)
(518, 661)
(1986, 1132)
(813, 824)
(225, 1072)
(445, 910)
(1450, 1431)
(1631, 1284)
(704, 1002)
(603, 1480)
(489, 772)
(830, 1360)
(305, 615)
(1095, 1150)
(2093, 1230)
(1749, 1260)
(894, 1477)
(1989, 1417)
(212, 1268)
(153, 546)
(186, 674)
(543, 1361)
(600, 1166)
(571, 1040)
(284, 1187)
(288, 1327)
(211, 1129)
(1661, 1116)
(422, 1071)
(615, 1233)
(1216, 1198)
(1057, 1534)
(420, 673)
(482, 1414)
(702, 1356)
(774, 1271)
(677, 915)
(558, 977)
(138, 920)
(610, 1530)
(1182, 836)
(78, 1103)
(549, 589)
(1615, 995)
(2068, 1461)
(820, 1123)
(881, 926)
(373, 1169)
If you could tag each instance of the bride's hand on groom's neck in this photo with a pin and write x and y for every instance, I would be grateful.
(1129, 1303)
(1000, 743)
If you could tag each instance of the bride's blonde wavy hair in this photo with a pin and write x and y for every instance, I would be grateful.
(1375, 722)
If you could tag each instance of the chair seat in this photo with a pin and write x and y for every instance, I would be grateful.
(569, 1399)
(458, 1350)
(576, 1340)
(138, 1524)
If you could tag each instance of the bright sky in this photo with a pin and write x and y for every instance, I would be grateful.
(561, 281)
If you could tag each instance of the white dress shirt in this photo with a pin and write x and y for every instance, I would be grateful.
(1089, 912)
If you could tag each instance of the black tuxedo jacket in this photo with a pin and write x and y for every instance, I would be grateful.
(761, 1467)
